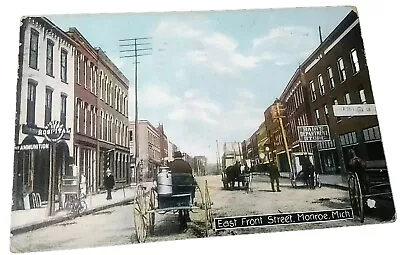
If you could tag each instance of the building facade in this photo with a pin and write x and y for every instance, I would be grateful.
(45, 93)
(113, 121)
(86, 86)
(149, 147)
(296, 103)
(200, 165)
(337, 73)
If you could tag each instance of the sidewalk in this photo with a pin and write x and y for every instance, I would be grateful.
(28, 220)
(334, 181)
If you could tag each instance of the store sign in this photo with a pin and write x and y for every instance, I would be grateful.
(31, 147)
(53, 131)
(317, 133)
(354, 110)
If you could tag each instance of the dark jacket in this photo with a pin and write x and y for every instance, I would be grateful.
(273, 171)
(180, 166)
(109, 182)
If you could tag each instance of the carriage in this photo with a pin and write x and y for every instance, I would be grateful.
(170, 193)
(376, 192)
(233, 174)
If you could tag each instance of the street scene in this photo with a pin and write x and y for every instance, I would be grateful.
(193, 125)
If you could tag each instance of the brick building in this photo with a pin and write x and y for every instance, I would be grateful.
(113, 120)
(86, 111)
(337, 73)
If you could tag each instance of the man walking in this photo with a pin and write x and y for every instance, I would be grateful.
(274, 177)
(109, 183)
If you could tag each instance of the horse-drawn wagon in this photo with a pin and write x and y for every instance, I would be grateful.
(170, 193)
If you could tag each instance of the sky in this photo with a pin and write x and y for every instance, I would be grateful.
(210, 75)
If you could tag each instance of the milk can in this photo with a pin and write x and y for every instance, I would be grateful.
(164, 182)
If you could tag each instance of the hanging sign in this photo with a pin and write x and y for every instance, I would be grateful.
(317, 133)
(54, 131)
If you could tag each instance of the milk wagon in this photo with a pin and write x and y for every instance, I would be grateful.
(170, 193)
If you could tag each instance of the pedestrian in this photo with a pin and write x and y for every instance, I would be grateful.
(109, 183)
(274, 177)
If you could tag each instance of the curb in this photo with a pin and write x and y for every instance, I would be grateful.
(329, 185)
(46, 223)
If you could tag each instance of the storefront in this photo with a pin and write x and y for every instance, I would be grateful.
(32, 169)
(328, 156)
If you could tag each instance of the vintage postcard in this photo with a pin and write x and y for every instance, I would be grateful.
(164, 126)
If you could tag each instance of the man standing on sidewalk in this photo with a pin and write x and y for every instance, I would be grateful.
(274, 176)
(109, 183)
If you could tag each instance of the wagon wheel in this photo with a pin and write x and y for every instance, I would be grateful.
(152, 207)
(140, 215)
(207, 209)
(356, 197)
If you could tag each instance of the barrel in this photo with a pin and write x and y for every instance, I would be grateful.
(164, 182)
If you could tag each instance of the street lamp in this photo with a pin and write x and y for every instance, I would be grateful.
(267, 152)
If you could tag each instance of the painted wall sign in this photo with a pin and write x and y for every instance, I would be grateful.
(29, 147)
(354, 110)
(317, 133)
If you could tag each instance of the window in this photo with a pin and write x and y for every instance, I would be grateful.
(130, 135)
(362, 96)
(85, 118)
(313, 94)
(91, 120)
(342, 71)
(84, 71)
(78, 114)
(326, 114)
(31, 103)
(321, 85)
(347, 98)
(48, 104)
(64, 65)
(63, 114)
(317, 116)
(91, 76)
(49, 58)
(331, 80)
(78, 69)
(354, 61)
(95, 87)
(95, 122)
(101, 85)
(33, 49)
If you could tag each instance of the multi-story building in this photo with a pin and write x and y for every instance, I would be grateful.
(200, 165)
(261, 139)
(337, 73)
(45, 93)
(163, 142)
(295, 100)
(171, 149)
(113, 120)
(149, 147)
(86, 86)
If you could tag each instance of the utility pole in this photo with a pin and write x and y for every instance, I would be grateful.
(218, 158)
(142, 52)
(279, 116)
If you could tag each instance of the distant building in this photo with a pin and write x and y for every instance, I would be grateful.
(200, 165)
(149, 147)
